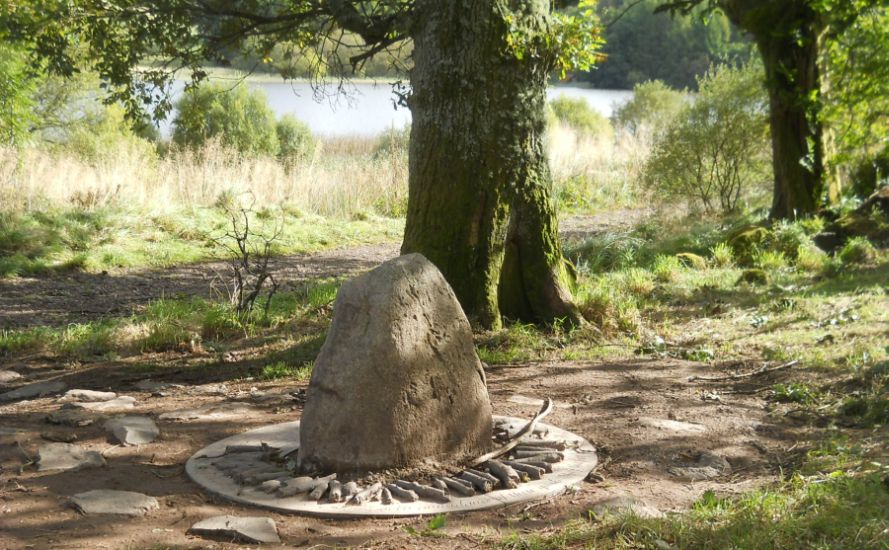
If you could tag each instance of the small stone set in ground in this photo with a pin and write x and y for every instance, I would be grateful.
(270, 470)
(127, 503)
(78, 410)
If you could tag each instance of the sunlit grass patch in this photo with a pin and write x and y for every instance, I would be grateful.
(180, 325)
(116, 237)
(515, 343)
(281, 369)
(836, 510)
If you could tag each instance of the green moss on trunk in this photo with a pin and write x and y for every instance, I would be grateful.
(478, 174)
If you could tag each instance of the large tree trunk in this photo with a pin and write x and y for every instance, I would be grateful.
(797, 145)
(788, 35)
(479, 181)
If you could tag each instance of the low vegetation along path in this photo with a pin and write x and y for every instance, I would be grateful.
(78, 297)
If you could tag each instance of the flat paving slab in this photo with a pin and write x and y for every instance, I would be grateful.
(65, 456)
(91, 396)
(7, 376)
(243, 529)
(103, 501)
(37, 389)
(210, 412)
(116, 404)
(133, 430)
(579, 459)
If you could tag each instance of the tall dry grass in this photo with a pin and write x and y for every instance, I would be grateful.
(596, 172)
(341, 177)
(333, 185)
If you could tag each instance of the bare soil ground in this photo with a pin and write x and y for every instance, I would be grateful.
(645, 416)
(76, 297)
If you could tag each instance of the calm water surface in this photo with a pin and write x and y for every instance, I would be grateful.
(368, 109)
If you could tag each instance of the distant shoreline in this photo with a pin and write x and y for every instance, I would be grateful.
(228, 74)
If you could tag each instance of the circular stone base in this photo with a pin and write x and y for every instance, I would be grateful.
(580, 458)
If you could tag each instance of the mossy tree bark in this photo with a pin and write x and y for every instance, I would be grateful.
(480, 187)
(788, 34)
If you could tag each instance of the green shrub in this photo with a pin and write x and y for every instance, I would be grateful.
(858, 251)
(722, 255)
(666, 268)
(102, 133)
(788, 238)
(393, 141)
(811, 258)
(637, 281)
(578, 114)
(716, 151)
(794, 392)
(295, 138)
(691, 260)
(606, 306)
(241, 118)
(770, 260)
(17, 102)
(746, 241)
(607, 252)
(653, 107)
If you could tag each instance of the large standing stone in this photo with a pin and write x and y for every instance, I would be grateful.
(397, 380)
(102, 501)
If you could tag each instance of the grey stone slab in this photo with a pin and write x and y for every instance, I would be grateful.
(118, 403)
(626, 505)
(73, 417)
(60, 437)
(87, 396)
(708, 466)
(133, 430)
(160, 389)
(673, 425)
(570, 472)
(210, 412)
(65, 456)
(103, 501)
(7, 376)
(244, 529)
(37, 389)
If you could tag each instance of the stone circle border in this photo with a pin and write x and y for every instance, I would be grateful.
(573, 469)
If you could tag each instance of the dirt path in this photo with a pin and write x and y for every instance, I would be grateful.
(648, 421)
(652, 426)
(77, 297)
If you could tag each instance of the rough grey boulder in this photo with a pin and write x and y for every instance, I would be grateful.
(397, 381)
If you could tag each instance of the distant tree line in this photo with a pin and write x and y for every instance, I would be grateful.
(642, 45)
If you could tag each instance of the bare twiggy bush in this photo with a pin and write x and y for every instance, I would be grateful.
(250, 252)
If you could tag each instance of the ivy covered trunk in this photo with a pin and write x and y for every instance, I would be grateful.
(480, 204)
(788, 35)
